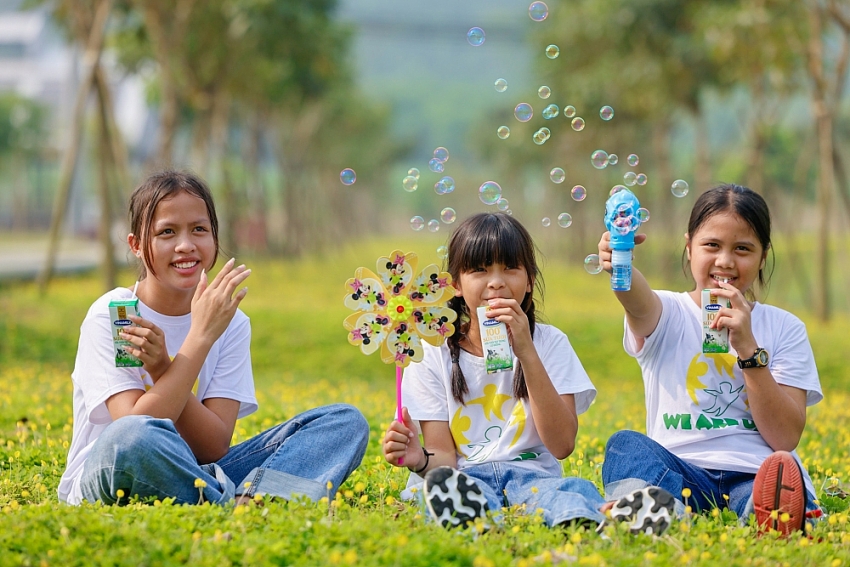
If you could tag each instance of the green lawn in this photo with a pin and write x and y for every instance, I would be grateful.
(301, 360)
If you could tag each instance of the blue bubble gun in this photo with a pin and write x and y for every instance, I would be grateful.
(621, 219)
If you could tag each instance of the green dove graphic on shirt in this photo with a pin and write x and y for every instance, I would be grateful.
(724, 397)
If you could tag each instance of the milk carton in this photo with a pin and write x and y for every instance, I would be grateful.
(494, 341)
(119, 310)
(713, 340)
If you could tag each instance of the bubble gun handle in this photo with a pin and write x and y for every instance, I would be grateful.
(622, 221)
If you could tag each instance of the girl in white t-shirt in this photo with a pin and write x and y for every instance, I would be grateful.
(494, 440)
(721, 428)
(164, 429)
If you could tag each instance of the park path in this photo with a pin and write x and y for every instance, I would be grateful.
(22, 256)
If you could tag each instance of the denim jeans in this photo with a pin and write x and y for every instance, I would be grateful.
(561, 499)
(145, 456)
(634, 461)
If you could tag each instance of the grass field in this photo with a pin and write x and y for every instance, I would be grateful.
(301, 359)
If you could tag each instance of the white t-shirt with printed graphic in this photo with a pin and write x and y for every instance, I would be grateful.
(226, 373)
(696, 404)
(493, 426)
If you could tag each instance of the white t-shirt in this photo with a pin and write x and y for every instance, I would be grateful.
(493, 426)
(226, 373)
(696, 404)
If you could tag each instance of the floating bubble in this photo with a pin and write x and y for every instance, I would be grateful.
(578, 123)
(641, 179)
(448, 215)
(550, 111)
(501, 85)
(410, 184)
(347, 176)
(592, 265)
(544, 92)
(441, 154)
(417, 223)
(643, 214)
(679, 188)
(436, 165)
(546, 132)
(538, 11)
(502, 204)
(503, 132)
(541, 136)
(616, 189)
(599, 159)
(442, 252)
(475, 36)
(557, 175)
(433, 225)
(509, 212)
(565, 220)
(490, 192)
(413, 172)
(606, 113)
(633, 159)
(552, 51)
(569, 111)
(546, 221)
(523, 112)
(578, 193)
(613, 159)
(444, 186)
(629, 178)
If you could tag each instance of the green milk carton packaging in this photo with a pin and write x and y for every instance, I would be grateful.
(494, 341)
(713, 340)
(119, 310)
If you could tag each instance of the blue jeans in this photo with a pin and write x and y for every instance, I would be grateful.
(634, 461)
(561, 499)
(145, 456)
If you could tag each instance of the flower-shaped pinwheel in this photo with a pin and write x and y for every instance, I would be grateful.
(396, 310)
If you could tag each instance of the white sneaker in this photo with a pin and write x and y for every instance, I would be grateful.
(453, 500)
(647, 510)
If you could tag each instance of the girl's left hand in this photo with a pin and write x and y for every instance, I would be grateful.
(737, 319)
(509, 312)
(149, 341)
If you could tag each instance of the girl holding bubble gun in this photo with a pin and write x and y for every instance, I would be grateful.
(722, 421)
(493, 439)
(162, 428)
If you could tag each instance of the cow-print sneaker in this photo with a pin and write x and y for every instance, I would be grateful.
(452, 498)
(647, 511)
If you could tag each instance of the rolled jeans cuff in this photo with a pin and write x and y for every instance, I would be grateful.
(228, 489)
(279, 484)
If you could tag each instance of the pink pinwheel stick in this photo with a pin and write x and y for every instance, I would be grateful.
(398, 400)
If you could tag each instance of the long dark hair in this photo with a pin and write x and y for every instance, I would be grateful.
(156, 188)
(482, 240)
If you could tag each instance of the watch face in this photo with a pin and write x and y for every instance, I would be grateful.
(761, 357)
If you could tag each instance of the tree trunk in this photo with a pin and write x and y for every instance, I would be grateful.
(823, 300)
(107, 248)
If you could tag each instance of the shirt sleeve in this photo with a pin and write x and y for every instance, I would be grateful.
(424, 386)
(564, 367)
(232, 377)
(793, 363)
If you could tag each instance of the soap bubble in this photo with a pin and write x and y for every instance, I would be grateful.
(503, 132)
(578, 123)
(546, 132)
(565, 220)
(552, 51)
(606, 113)
(347, 176)
(546, 221)
(410, 184)
(413, 172)
(629, 178)
(417, 223)
(679, 188)
(633, 160)
(502, 204)
(578, 193)
(613, 159)
(550, 111)
(599, 159)
(523, 112)
(433, 225)
(475, 36)
(448, 215)
(569, 111)
(444, 186)
(501, 85)
(544, 92)
(442, 252)
(592, 265)
(436, 165)
(557, 175)
(441, 154)
(509, 212)
(641, 179)
(538, 11)
(489, 192)
(643, 214)
(541, 136)
(616, 189)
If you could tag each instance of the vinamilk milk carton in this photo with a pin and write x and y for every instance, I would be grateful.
(119, 310)
(494, 341)
(713, 340)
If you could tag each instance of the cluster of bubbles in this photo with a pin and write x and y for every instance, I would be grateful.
(550, 111)
(541, 136)
(347, 176)
(564, 220)
(444, 186)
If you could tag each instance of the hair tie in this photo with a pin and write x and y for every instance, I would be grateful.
(455, 358)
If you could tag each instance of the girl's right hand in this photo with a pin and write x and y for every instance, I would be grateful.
(149, 343)
(214, 303)
(402, 443)
(604, 248)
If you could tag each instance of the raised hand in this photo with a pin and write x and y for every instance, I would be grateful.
(215, 303)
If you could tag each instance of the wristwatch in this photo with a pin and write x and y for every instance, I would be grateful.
(758, 360)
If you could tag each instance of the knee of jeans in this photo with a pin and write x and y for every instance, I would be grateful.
(624, 440)
(353, 419)
(126, 437)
